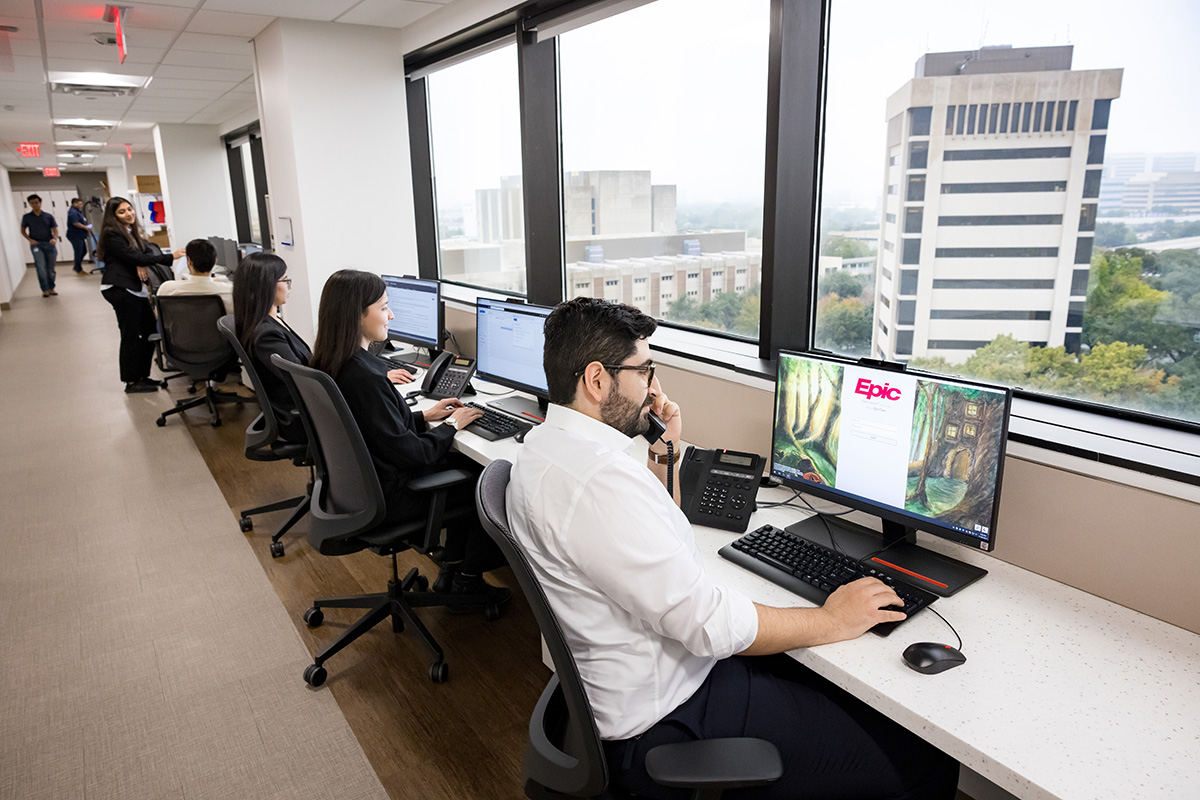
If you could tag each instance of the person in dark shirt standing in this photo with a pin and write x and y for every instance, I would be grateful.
(403, 445)
(41, 230)
(77, 233)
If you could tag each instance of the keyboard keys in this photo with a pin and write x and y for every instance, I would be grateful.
(493, 425)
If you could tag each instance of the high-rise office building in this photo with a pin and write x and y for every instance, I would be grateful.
(992, 178)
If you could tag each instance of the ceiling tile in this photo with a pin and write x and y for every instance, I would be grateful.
(326, 10)
(194, 58)
(228, 24)
(209, 43)
(202, 73)
(169, 84)
(81, 32)
(388, 13)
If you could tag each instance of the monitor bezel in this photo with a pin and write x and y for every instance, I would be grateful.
(539, 393)
(415, 340)
(891, 514)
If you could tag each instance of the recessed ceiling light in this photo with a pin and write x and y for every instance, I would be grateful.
(85, 123)
(98, 79)
(79, 144)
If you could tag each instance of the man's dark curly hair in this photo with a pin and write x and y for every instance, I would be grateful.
(584, 330)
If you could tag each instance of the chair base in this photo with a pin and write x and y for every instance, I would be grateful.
(397, 603)
(300, 505)
(212, 398)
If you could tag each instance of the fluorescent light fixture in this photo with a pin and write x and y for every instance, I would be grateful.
(79, 144)
(99, 79)
(86, 123)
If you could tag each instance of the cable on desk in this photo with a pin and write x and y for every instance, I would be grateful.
(951, 627)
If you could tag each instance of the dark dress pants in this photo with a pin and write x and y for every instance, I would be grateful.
(832, 745)
(466, 540)
(136, 321)
(80, 246)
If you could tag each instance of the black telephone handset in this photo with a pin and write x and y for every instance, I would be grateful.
(656, 430)
(718, 488)
(447, 376)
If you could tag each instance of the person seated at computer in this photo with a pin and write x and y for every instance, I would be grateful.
(261, 287)
(353, 313)
(201, 258)
(127, 257)
(664, 650)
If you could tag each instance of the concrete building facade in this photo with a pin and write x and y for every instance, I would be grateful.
(992, 178)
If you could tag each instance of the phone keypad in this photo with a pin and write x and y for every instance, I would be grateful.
(451, 383)
(723, 497)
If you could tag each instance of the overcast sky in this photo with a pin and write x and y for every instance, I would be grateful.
(663, 88)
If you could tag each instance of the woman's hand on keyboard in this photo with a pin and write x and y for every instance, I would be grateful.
(399, 376)
(442, 409)
(465, 415)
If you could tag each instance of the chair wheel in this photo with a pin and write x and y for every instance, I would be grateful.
(421, 584)
(315, 675)
(161, 422)
(314, 617)
(439, 672)
(276, 549)
(246, 524)
(491, 612)
(192, 389)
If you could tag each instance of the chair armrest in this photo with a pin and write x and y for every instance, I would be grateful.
(440, 480)
(154, 337)
(715, 763)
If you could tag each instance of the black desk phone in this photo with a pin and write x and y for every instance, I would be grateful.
(718, 488)
(447, 376)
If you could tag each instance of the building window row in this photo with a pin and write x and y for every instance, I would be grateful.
(1001, 187)
(965, 344)
(992, 283)
(996, 252)
(1043, 116)
(1005, 153)
(945, 313)
(1004, 219)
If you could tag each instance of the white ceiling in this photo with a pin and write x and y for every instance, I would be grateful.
(196, 53)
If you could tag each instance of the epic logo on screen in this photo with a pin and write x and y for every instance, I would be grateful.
(873, 390)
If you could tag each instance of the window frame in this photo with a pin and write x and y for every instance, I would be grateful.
(796, 77)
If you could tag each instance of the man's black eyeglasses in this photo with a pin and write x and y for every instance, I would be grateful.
(647, 368)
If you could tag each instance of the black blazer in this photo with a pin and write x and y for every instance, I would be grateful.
(402, 445)
(121, 261)
(271, 338)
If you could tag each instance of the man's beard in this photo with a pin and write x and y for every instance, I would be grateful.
(623, 414)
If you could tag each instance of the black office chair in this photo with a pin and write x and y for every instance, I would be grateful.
(157, 275)
(348, 510)
(192, 343)
(263, 443)
(565, 757)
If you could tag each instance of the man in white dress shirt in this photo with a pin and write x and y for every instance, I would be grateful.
(201, 257)
(664, 653)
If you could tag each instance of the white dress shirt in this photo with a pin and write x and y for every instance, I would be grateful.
(619, 565)
(200, 284)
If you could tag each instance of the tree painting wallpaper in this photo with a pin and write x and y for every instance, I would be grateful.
(954, 454)
(806, 434)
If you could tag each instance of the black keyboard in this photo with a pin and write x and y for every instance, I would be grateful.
(493, 425)
(814, 571)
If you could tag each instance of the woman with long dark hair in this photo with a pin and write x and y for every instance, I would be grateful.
(127, 257)
(354, 312)
(260, 287)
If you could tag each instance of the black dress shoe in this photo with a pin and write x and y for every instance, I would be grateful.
(136, 387)
(477, 587)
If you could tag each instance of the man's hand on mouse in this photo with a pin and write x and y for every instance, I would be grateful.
(858, 606)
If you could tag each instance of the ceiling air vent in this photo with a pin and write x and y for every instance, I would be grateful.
(91, 90)
(84, 128)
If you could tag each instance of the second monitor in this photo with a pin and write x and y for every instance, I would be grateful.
(417, 306)
(509, 352)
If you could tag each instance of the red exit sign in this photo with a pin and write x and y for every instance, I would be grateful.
(50, 172)
(29, 149)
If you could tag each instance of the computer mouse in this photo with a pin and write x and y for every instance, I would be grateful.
(520, 436)
(930, 658)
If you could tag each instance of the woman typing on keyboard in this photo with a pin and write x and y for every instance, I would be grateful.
(353, 313)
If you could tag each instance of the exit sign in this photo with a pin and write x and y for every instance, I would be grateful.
(50, 172)
(29, 149)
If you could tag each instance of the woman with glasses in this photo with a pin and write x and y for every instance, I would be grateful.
(404, 445)
(261, 286)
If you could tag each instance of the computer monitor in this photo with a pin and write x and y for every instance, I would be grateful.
(919, 452)
(509, 339)
(417, 306)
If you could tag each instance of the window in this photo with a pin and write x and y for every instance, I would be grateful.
(639, 132)
(1018, 271)
(248, 179)
(475, 135)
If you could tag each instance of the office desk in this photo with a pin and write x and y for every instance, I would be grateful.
(1063, 695)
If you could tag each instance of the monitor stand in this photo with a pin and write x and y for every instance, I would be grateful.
(526, 408)
(903, 559)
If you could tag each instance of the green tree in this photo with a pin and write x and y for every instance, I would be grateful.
(1114, 234)
(845, 248)
(1118, 371)
(843, 325)
(843, 284)
(1123, 307)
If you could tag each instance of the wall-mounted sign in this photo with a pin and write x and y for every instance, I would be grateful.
(29, 149)
(50, 172)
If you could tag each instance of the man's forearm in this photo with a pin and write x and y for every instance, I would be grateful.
(783, 629)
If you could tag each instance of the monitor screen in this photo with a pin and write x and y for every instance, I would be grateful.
(509, 339)
(918, 451)
(418, 309)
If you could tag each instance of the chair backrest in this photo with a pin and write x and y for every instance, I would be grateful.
(190, 339)
(564, 754)
(264, 430)
(347, 498)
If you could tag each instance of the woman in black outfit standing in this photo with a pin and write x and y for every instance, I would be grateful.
(260, 286)
(126, 257)
(403, 444)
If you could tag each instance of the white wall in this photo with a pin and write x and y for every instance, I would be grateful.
(194, 172)
(120, 184)
(335, 135)
(12, 254)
